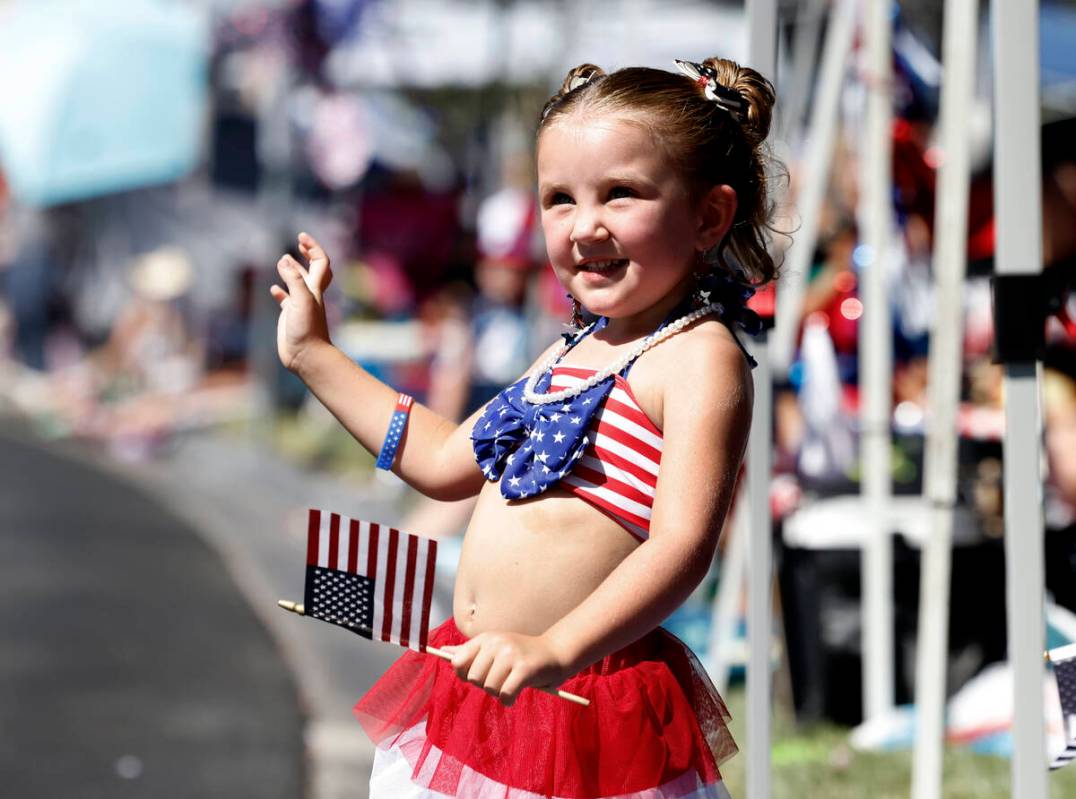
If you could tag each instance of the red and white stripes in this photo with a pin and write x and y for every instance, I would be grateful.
(619, 470)
(400, 565)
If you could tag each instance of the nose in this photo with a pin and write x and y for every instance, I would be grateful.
(587, 226)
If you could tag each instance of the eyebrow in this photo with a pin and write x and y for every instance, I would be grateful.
(607, 180)
(633, 180)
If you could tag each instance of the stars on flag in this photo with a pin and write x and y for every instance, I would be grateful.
(1063, 660)
(368, 578)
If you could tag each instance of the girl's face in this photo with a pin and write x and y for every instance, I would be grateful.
(620, 225)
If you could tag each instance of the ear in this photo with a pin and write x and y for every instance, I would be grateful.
(717, 210)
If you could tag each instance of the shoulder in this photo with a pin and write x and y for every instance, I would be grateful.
(702, 367)
(704, 358)
(707, 342)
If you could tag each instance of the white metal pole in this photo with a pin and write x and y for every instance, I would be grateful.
(1024, 576)
(1017, 204)
(759, 581)
(943, 393)
(875, 367)
(762, 55)
(796, 86)
(815, 171)
(726, 604)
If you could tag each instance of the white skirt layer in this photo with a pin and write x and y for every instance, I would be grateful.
(391, 779)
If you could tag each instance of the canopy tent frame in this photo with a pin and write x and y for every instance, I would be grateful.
(943, 391)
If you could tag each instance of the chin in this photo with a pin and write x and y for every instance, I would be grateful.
(613, 310)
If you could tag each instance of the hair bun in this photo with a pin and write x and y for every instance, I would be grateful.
(580, 76)
(576, 78)
(757, 93)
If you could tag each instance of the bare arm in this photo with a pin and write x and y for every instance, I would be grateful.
(435, 455)
(707, 414)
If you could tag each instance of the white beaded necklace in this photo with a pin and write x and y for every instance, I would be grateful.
(652, 340)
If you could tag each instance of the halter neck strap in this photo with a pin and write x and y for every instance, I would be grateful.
(572, 339)
(603, 321)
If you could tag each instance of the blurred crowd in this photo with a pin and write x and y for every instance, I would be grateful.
(132, 315)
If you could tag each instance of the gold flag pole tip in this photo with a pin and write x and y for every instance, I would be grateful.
(293, 607)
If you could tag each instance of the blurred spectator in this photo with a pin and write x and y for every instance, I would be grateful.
(488, 345)
(409, 237)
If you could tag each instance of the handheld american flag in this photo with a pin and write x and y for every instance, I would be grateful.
(1064, 661)
(369, 578)
(375, 581)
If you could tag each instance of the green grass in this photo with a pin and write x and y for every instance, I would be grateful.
(818, 761)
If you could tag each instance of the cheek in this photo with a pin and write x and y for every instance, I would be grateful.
(556, 236)
(655, 230)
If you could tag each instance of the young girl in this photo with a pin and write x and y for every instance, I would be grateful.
(653, 202)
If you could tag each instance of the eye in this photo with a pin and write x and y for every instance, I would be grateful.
(618, 192)
(558, 198)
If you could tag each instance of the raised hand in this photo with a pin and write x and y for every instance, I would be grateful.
(503, 664)
(302, 321)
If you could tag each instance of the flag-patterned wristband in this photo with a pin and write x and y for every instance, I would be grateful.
(395, 433)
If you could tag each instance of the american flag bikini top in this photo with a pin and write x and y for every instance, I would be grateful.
(529, 448)
(532, 447)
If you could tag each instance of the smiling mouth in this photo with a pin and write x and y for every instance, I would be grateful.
(602, 267)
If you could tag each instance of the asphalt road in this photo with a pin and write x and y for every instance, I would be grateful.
(130, 666)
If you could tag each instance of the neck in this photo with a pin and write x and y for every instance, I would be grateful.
(628, 328)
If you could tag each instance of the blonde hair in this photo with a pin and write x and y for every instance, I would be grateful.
(706, 143)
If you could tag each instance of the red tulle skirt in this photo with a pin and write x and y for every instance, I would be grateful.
(655, 721)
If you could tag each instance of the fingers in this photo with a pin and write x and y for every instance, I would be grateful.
(315, 255)
(496, 682)
(479, 661)
(462, 656)
(491, 664)
(310, 249)
(278, 293)
(295, 276)
(511, 686)
(480, 667)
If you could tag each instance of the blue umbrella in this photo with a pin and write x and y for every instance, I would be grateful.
(99, 96)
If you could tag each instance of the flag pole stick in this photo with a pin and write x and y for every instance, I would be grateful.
(295, 607)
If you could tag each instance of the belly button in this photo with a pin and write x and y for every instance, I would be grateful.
(474, 609)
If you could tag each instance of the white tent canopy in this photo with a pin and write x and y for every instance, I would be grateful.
(432, 43)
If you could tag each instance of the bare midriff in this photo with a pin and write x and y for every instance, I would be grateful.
(526, 563)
